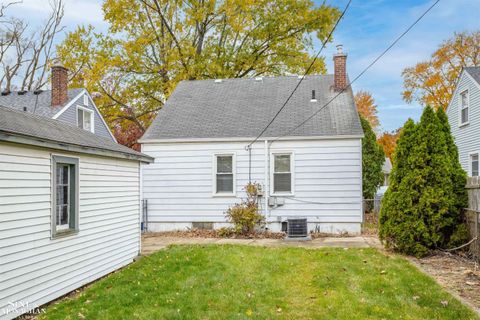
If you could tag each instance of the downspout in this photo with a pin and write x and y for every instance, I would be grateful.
(266, 178)
(140, 207)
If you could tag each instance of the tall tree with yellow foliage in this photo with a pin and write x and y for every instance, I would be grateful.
(432, 82)
(367, 108)
(151, 45)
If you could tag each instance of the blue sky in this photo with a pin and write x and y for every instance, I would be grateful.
(369, 26)
(367, 29)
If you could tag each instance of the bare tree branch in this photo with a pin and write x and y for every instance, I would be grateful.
(32, 54)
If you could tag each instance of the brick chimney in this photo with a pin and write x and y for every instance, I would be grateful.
(340, 69)
(59, 85)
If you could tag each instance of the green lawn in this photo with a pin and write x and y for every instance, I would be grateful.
(242, 282)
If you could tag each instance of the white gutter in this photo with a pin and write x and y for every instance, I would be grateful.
(247, 139)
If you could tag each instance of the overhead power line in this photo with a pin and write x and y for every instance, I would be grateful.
(363, 72)
(301, 79)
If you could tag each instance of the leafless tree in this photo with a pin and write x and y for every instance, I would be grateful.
(5, 5)
(25, 56)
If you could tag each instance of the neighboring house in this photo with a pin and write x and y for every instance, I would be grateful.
(386, 170)
(69, 209)
(464, 118)
(74, 106)
(201, 165)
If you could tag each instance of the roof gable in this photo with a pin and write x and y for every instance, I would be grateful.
(235, 108)
(474, 72)
(38, 130)
(471, 74)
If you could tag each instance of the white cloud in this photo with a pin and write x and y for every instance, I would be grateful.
(76, 12)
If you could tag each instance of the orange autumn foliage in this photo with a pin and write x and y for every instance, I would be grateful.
(367, 108)
(388, 140)
(432, 82)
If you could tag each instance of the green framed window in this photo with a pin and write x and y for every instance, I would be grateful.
(64, 195)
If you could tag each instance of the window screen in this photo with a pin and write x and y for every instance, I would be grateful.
(65, 194)
(474, 164)
(282, 175)
(464, 106)
(224, 174)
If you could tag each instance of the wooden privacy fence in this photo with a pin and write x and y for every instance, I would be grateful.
(472, 214)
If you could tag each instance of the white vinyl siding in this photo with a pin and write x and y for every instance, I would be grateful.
(178, 186)
(36, 268)
(467, 136)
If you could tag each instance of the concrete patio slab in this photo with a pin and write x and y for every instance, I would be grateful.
(154, 243)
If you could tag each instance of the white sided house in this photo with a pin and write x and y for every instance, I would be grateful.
(464, 118)
(69, 209)
(201, 164)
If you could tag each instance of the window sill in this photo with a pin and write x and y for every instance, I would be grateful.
(224, 195)
(64, 233)
(461, 125)
(282, 195)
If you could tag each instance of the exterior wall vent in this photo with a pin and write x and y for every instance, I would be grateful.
(202, 225)
(297, 228)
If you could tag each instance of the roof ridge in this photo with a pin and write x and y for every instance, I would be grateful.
(263, 77)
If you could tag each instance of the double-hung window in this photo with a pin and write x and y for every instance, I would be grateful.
(474, 169)
(282, 173)
(464, 107)
(224, 174)
(65, 195)
(85, 119)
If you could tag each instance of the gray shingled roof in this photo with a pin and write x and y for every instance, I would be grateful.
(474, 72)
(36, 103)
(38, 130)
(243, 107)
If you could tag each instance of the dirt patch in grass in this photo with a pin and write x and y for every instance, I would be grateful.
(458, 274)
(202, 233)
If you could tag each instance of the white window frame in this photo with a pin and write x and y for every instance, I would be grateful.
(85, 100)
(461, 108)
(470, 167)
(292, 173)
(92, 117)
(234, 173)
